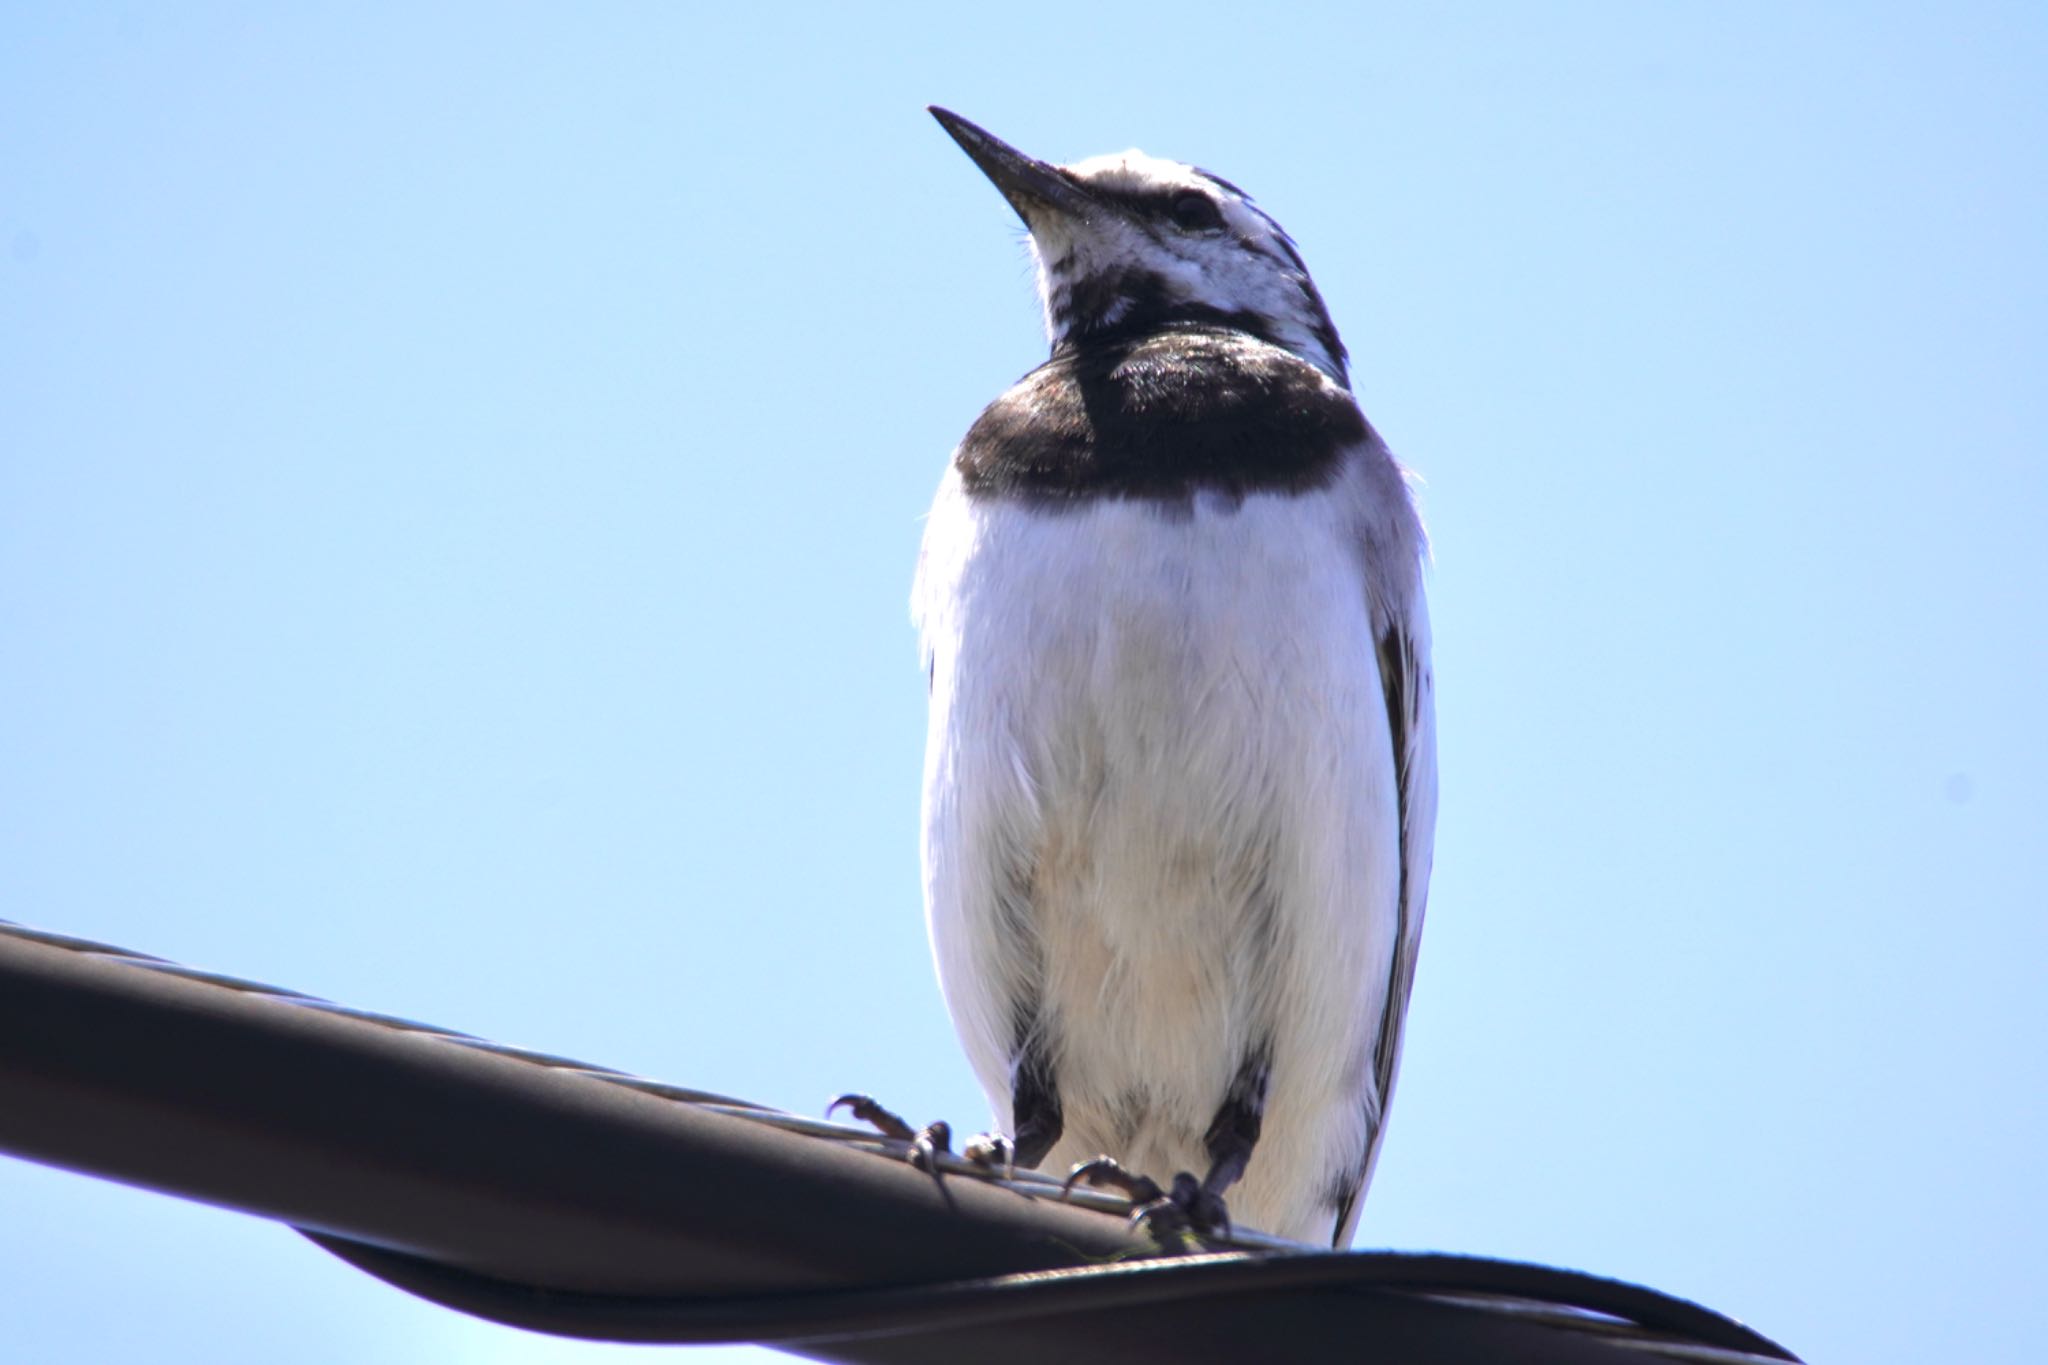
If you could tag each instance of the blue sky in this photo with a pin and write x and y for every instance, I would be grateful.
(460, 476)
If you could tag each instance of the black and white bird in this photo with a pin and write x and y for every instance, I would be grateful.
(1180, 786)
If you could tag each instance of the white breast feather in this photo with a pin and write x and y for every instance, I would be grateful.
(1159, 718)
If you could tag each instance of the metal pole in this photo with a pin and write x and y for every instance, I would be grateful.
(531, 1191)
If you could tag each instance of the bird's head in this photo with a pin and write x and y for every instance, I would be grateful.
(1128, 244)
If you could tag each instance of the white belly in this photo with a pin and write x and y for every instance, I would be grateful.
(1160, 804)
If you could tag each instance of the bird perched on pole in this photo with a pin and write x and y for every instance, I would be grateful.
(1180, 783)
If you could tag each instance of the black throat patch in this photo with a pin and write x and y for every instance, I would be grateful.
(1161, 416)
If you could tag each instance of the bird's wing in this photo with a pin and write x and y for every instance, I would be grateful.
(1409, 687)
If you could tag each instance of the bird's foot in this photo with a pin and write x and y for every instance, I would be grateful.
(925, 1143)
(991, 1151)
(1177, 1217)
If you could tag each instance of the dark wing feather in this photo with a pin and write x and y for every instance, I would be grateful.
(1409, 690)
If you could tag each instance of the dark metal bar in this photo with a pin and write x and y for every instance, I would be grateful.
(550, 1198)
(485, 1163)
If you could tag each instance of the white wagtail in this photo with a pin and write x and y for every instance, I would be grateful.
(1180, 788)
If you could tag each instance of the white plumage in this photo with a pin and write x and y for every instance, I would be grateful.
(1170, 815)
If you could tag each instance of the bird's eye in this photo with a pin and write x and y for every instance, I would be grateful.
(1194, 212)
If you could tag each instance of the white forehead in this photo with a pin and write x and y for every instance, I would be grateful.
(1135, 172)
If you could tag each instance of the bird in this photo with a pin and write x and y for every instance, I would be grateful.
(1180, 780)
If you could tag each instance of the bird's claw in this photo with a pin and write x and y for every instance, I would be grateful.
(1203, 1208)
(869, 1110)
(993, 1153)
(1175, 1217)
(927, 1144)
(1104, 1170)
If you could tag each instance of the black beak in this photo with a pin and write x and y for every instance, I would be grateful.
(1026, 183)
